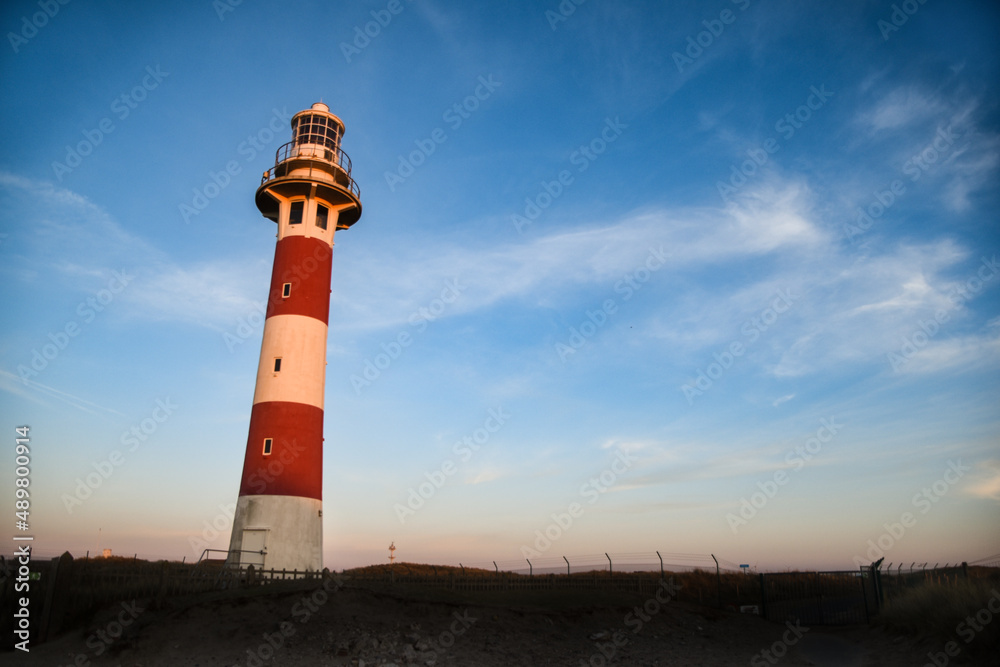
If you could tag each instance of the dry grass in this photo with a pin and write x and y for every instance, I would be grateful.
(944, 610)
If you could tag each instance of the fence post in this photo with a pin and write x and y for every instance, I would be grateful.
(763, 597)
(864, 596)
(567, 565)
(877, 579)
(496, 568)
(57, 595)
(611, 571)
(718, 580)
(162, 588)
(661, 564)
(531, 570)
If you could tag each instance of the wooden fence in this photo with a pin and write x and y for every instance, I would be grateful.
(65, 591)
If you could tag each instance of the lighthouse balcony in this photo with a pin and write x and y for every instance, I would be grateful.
(313, 162)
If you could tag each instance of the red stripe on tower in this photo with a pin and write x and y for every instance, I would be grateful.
(304, 265)
(310, 194)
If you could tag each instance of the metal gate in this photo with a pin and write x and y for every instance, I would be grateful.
(819, 598)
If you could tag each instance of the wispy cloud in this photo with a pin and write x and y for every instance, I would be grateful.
(901, 107)
(79, 242)
(487, 474)
(772, 217)
(31, 390)
(782, 399)
(977, 352)
(984, 481)
(210, 294)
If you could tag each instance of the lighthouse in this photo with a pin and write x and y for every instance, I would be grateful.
(310, 194)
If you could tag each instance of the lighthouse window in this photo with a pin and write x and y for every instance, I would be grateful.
(286, 290)
(295, 212)
(322, 212)
(267, 446)
(277, 364)
(317, 130)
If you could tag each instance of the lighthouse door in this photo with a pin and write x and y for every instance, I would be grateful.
(254, 547)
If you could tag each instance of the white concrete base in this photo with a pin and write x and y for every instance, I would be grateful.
(288, 528)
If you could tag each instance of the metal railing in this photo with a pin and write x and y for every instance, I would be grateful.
(229, 553)
(314, 152)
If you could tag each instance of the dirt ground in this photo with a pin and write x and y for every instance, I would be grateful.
(372, 626)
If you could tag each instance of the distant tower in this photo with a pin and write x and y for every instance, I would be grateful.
(310, 194)
(392, 553)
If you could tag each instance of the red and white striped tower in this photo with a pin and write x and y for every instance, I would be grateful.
(310, 194)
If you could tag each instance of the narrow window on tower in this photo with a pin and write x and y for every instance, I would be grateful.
(277, 364)
(267, 446)
(322, 212)
(286, 290)
(295, 212)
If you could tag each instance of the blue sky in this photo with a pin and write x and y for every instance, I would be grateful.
(725, 271)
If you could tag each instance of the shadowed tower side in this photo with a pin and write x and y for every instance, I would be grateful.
(310, 194)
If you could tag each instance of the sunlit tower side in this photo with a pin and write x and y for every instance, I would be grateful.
(310, 194)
